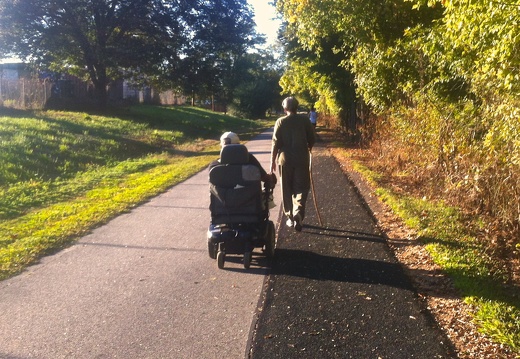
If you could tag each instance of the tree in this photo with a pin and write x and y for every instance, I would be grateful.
(442, 76)
(316, 72)
(155, 40)
(354, 37)
(255, 84)
(221, 33)
(95, 39)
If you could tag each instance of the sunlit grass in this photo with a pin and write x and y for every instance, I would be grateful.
(51, 227)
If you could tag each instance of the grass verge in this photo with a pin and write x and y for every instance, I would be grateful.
(449, 236)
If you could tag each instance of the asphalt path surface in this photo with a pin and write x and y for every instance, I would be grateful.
(141, 286)
(336, 291)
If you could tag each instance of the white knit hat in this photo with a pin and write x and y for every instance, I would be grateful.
(229, 138)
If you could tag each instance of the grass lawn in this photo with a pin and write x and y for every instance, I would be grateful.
(64, 173)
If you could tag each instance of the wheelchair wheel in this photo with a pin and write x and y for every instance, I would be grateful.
(270, 240)
(212, 250)
(221, 258)
(247, 259)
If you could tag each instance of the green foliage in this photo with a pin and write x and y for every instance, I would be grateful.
(255, 85)
(499, 165)
(95, 40)
(499, 320)
(219, 35)
(360, 45)
(442, 82)
(318, 77)
(445, 74)
(485, 36)
(375, 76)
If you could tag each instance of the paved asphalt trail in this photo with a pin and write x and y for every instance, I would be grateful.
(336, 291)
(142, 286)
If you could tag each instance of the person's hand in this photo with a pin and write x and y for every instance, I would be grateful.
(273, 167)
(272, 180)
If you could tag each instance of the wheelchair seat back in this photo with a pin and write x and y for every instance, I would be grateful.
(235, 188)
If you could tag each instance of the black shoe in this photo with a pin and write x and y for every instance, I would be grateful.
(298, 223)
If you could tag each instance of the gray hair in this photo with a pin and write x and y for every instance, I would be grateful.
(228, 138)
(290, 104)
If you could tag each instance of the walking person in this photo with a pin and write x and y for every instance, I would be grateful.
(293, 139)
(313, 116)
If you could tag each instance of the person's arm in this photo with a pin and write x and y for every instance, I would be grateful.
(274, 153)
(213, 164)
(274, 146)
(311, 136)
(254, 161)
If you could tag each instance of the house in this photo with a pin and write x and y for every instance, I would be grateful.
(21, 87)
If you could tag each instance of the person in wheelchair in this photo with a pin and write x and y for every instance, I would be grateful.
(239, 207)
(231, 138)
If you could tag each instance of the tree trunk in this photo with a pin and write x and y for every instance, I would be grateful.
(101, 95)
(98, 76)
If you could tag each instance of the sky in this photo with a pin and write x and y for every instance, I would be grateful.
(265, 18)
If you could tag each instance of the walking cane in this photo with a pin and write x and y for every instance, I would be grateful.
(313, 191)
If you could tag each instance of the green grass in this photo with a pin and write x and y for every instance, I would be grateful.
(448, 236)
(64, 173)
